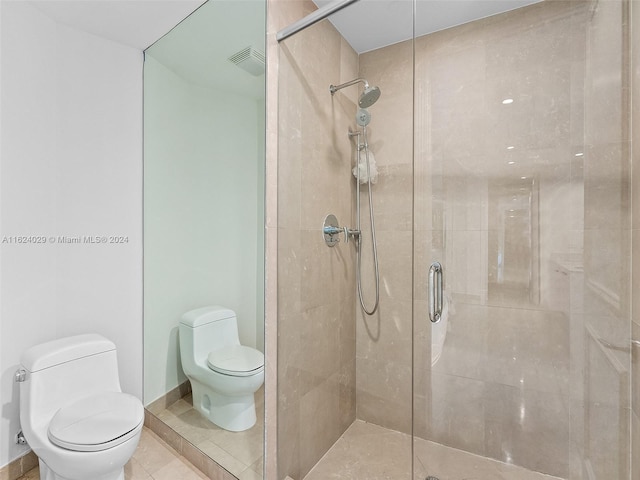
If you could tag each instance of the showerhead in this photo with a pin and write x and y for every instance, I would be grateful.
(369, 97)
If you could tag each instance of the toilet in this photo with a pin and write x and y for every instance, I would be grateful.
(73, 413)
(224, 375)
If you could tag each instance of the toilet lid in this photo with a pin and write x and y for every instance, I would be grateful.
(237, 360)
(97, 423)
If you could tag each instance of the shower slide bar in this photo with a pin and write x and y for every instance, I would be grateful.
(314, 17)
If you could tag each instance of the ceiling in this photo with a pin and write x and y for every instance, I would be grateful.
(198, 49)
(366, 24)
(136, 23)
(371, 24)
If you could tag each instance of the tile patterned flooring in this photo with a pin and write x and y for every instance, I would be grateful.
(240, 453)
(364, 451)
(376, 453)
(152, 460)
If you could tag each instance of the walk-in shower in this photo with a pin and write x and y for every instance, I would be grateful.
(501, 145)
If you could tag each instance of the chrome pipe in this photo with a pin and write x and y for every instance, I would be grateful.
(313, 18)
(334, 88)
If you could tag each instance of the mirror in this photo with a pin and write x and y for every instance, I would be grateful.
(204, 127)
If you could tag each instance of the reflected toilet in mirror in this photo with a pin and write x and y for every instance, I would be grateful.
(204, 163)
(224, 374)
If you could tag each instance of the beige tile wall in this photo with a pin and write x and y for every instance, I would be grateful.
(635, 284)
(383, 346)
(280, 13)
(607, 244)
(316, 324)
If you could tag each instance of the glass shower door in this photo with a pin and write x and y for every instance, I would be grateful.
(521, 171)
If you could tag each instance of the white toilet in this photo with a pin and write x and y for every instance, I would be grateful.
(73, 413)
(224, 375)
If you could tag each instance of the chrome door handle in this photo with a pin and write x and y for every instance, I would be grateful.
(435, 292)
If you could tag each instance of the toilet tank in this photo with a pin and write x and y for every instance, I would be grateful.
(206, 329)
(65, 370)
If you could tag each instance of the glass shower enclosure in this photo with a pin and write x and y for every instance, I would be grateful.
(501, 143)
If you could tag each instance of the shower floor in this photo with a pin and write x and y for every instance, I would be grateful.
(367, 451)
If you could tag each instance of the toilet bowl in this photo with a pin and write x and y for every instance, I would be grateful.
(73, 413)
(224, 374)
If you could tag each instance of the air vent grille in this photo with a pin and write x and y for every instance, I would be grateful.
(249, 59)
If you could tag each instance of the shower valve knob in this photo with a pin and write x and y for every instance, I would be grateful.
(331, 231)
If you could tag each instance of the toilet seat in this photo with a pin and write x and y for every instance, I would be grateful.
(236, 360)
(98, 422)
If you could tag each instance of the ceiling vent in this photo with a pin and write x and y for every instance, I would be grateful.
(250, 60)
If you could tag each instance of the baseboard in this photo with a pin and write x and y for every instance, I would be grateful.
(171, 397)
(19, 466)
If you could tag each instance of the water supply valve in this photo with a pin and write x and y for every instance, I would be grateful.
(19, 438)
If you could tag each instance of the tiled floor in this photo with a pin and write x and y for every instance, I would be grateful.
(364, 451)
(152, 460)
(375, 453)
(238, 452)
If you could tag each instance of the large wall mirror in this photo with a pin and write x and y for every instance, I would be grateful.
(204, 110)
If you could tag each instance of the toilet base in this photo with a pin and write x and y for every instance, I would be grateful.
(233, 413)
(47, 474)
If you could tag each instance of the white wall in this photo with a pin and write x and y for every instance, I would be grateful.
(70, 164)
(203, 214)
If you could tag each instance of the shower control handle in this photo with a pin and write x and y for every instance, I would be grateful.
(435, 292)
(334, 230)
(331, 231)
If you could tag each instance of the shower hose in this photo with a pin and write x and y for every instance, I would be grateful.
(373, 233)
